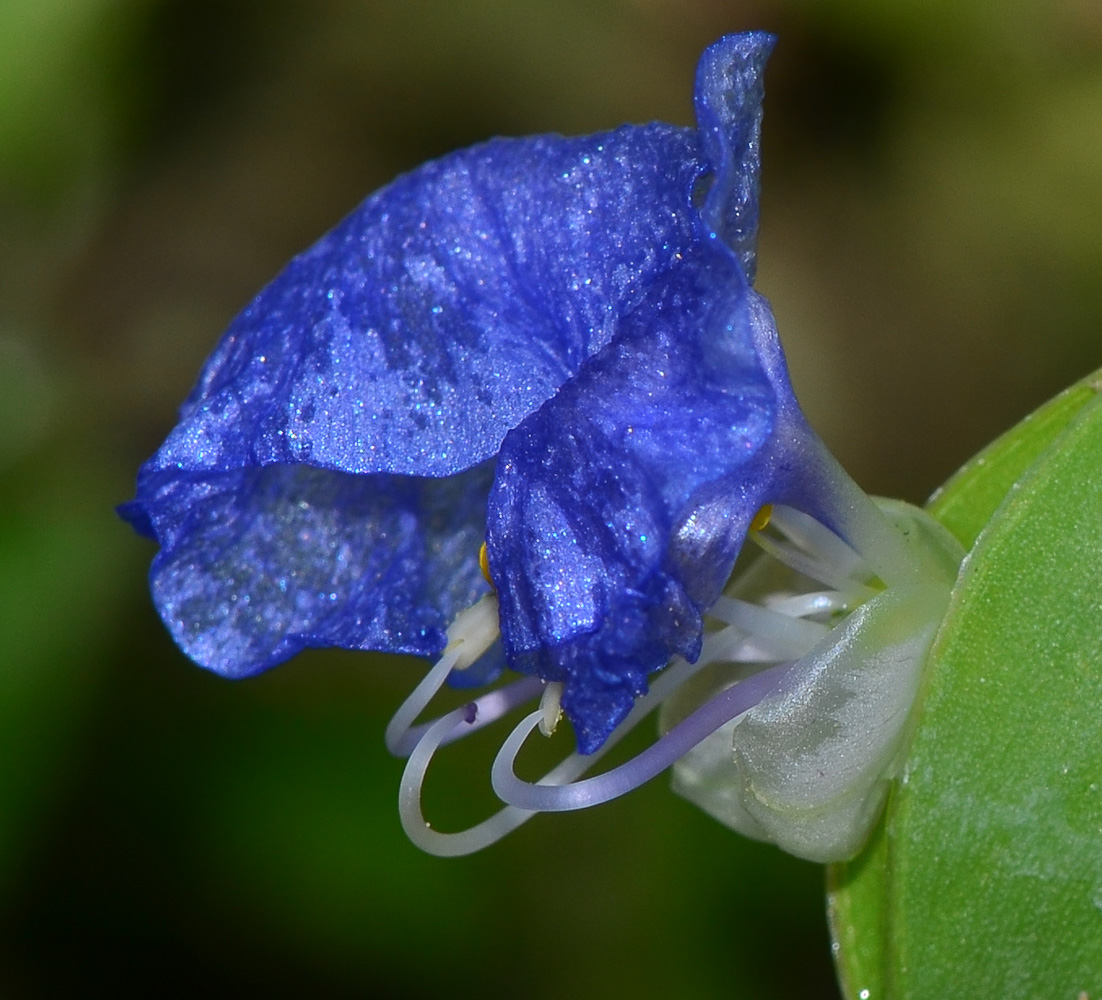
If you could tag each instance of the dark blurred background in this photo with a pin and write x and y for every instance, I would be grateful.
(930, 242)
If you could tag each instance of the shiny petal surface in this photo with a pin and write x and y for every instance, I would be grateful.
(587, 302)
(619, 507)
(445, 308)
(257, 564)
(728, 103)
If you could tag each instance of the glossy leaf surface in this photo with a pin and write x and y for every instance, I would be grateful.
(985, 878)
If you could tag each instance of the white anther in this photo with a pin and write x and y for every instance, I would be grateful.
(551, 707)
(473, 632)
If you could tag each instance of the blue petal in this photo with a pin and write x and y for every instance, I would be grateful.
(444, 309)
(296, 502)
(257, 564)
(619, 507)
(728, 99)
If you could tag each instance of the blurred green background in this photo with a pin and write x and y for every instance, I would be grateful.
(930, 242)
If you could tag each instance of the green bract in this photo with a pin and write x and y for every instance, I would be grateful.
(984, 878)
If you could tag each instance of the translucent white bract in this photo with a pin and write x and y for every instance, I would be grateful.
(808, 767)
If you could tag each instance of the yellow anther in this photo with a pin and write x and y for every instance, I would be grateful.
(761, 518)
(484, 564)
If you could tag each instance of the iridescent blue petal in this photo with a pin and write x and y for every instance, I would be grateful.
(619, 507)
(404, 344)
(728, 104)
(259, 563)
(327, 481)
(444, 309)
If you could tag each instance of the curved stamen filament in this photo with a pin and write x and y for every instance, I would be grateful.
(447, 845)
(462, 721)
(819, 602)
(716, 712)
(802, 562)
(470, 635)
(416, 702)
(733, 645)
(774, 634)
(484, 710)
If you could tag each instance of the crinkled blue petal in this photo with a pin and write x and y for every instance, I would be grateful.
(259, 563)
(619, 507)
(404, 344)
(728, 104)
(444, 309)
(327, 481)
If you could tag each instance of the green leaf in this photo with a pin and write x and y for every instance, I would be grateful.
(971, 497)
(985, 878)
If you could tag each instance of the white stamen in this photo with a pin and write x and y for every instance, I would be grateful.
(469, 636)
(807, 564)
(446, 845)
(490, 830)
(418, 701)
(748, 649)
(473, 632)
(733, 645)
(561, 796)
(551, 708)
(818, 602)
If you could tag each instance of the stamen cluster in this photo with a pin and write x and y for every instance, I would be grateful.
(776, 643)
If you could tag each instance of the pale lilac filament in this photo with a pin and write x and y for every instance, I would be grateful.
(719, 710)
(402, 736)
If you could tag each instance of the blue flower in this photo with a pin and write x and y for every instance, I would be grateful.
(549, 343)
